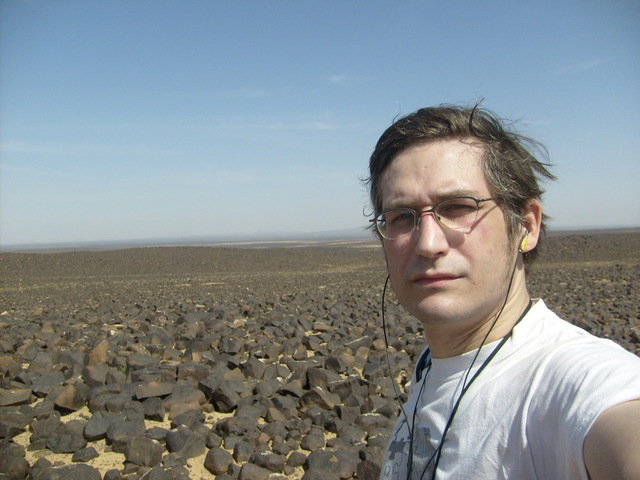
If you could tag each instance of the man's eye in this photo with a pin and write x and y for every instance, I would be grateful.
(399, 217)
(456, 209)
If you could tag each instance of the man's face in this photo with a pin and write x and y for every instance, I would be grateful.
(439, 275)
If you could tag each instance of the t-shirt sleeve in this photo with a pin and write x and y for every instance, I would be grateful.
(579, 382)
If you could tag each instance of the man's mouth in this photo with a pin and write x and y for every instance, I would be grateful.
(434, 279)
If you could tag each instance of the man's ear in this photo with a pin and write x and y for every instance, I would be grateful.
(532, 221)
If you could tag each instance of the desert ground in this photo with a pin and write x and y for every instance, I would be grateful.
(238, 361)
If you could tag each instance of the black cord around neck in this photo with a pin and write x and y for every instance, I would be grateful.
(465, 388)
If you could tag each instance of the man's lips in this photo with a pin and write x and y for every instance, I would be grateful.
(434, 279)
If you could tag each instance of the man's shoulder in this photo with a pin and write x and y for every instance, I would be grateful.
(556, 336)
(564, 357)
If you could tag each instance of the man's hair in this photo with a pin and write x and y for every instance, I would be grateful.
(510, 166)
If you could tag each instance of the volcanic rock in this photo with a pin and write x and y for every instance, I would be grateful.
(220, 394)
(333, 462)
(368, 470)
(84, 455)
(118, 433)
(270, 461)
(218, 460)
(99, 354)
(15, 420)
(67, 437)
(12, 461)
(71, 397)
(321, 398)
(67, 472)
(183, 440)
(18, 396)
(249, 471)
(143, 451)
(153, 389)
(313, 441)
(153, 409)
(97, 426)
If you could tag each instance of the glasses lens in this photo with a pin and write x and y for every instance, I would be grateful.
(458, 212)
(396, 223)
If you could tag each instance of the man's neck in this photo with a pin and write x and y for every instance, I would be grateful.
(452, 340)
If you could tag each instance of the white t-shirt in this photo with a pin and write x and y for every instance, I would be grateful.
(527, 413)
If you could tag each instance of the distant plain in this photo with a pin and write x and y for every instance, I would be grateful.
(591, 278)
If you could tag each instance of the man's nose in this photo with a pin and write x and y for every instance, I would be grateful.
(431, 240)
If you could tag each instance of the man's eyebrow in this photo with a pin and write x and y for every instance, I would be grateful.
(459, 193)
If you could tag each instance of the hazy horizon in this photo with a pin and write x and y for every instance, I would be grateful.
(264, 238)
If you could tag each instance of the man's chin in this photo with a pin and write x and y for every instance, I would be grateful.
(436, 313)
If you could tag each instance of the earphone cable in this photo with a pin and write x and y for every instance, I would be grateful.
(386, 344)
(393, 381)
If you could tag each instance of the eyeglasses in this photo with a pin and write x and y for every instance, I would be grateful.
(456, 213)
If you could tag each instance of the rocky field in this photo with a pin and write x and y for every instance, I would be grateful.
(236, 363)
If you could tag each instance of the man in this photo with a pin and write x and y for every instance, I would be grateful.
(505, 389)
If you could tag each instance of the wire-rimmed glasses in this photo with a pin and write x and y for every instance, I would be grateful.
(456, 213)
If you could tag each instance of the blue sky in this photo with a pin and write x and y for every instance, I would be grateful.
(152, 119)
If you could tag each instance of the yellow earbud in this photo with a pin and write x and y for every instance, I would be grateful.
(525, 239)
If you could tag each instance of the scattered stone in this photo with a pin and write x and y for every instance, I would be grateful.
(112, 398)
(97, 426)
(342, 464)
(219, 392)
(100, 375)
(70, 398)
(68, 472)
(267, 388)
(44, 426)
(153, 409)
(143, 451)
(120, 432)
(249, 471)
(242, 451)
(373, 421)
(319, 475)
(184, 397)
(367, 470)
(15, 420)
(296, 459)
(270, 461)
(67, 437)
(153, 389)
(84, 455)
(313, 441)
(113, 474)
(17, 396)
(9, 368)
(253, 368)
(99, 355)
(321, 398)
(183, 440)
(213, 440)
(218, 460)
(12, 462)
(43, 382)
(157, 473)
(191, 419)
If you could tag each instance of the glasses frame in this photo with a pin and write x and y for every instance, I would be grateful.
(417, 215)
